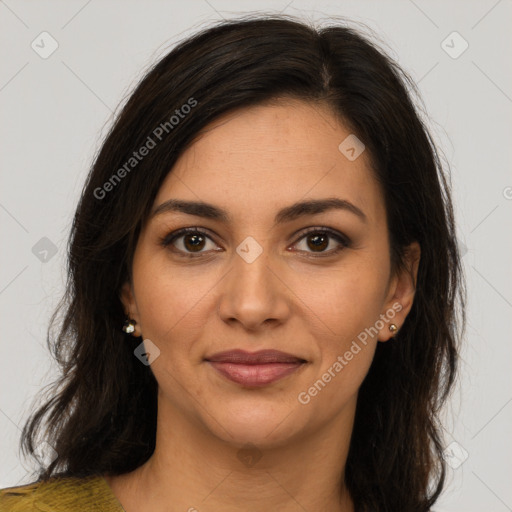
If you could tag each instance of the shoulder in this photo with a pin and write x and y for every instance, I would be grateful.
(60, 494)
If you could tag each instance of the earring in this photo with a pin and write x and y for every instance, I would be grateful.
(393, 328)
(129, 326)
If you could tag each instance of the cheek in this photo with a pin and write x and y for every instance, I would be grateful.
(346, 348)
(169, 300)
(345, 306)
(344, 301)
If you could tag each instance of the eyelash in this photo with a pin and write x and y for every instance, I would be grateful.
(344, 241)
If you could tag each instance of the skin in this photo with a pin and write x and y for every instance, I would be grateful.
(252, 163)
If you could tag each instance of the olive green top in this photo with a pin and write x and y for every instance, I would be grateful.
(62, 494)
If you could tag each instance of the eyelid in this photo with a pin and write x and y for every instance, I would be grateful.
(334, 233)
(169, 238)
(343, 241)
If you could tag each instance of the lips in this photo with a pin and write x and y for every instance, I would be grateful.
(255, 369)
(260, 357)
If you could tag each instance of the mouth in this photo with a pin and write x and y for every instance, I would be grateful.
(255, 369)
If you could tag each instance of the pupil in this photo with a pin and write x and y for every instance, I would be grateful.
(196, 241)
(318, 241)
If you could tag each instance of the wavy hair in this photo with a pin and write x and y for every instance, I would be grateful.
(101, 415)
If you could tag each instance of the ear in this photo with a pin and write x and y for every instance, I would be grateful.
(127, 298)
(401, 292)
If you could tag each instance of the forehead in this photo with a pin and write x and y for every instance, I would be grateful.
(257, 159)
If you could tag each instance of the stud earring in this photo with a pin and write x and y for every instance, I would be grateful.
(393, 328)
(129, 326)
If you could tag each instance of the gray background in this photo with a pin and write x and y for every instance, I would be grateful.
(56, 110)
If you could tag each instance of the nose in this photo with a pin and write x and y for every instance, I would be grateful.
(253, 294)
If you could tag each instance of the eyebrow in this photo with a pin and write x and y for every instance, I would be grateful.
(286, 214)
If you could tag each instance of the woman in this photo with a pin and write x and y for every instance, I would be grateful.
(263, 289)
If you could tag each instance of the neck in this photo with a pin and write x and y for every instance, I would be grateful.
(194, 471)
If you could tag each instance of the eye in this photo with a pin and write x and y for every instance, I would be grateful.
(191, 241)
(319, 239)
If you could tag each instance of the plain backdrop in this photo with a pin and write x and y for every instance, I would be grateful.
(57, 108)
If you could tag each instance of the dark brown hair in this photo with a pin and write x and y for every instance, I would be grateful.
(101, 417)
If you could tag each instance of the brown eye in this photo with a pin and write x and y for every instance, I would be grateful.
(188, 242)
(317, 240)
(193, 242)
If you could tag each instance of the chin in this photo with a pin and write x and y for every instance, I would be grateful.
(262, 426)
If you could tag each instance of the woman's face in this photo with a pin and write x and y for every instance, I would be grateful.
(267, 276)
